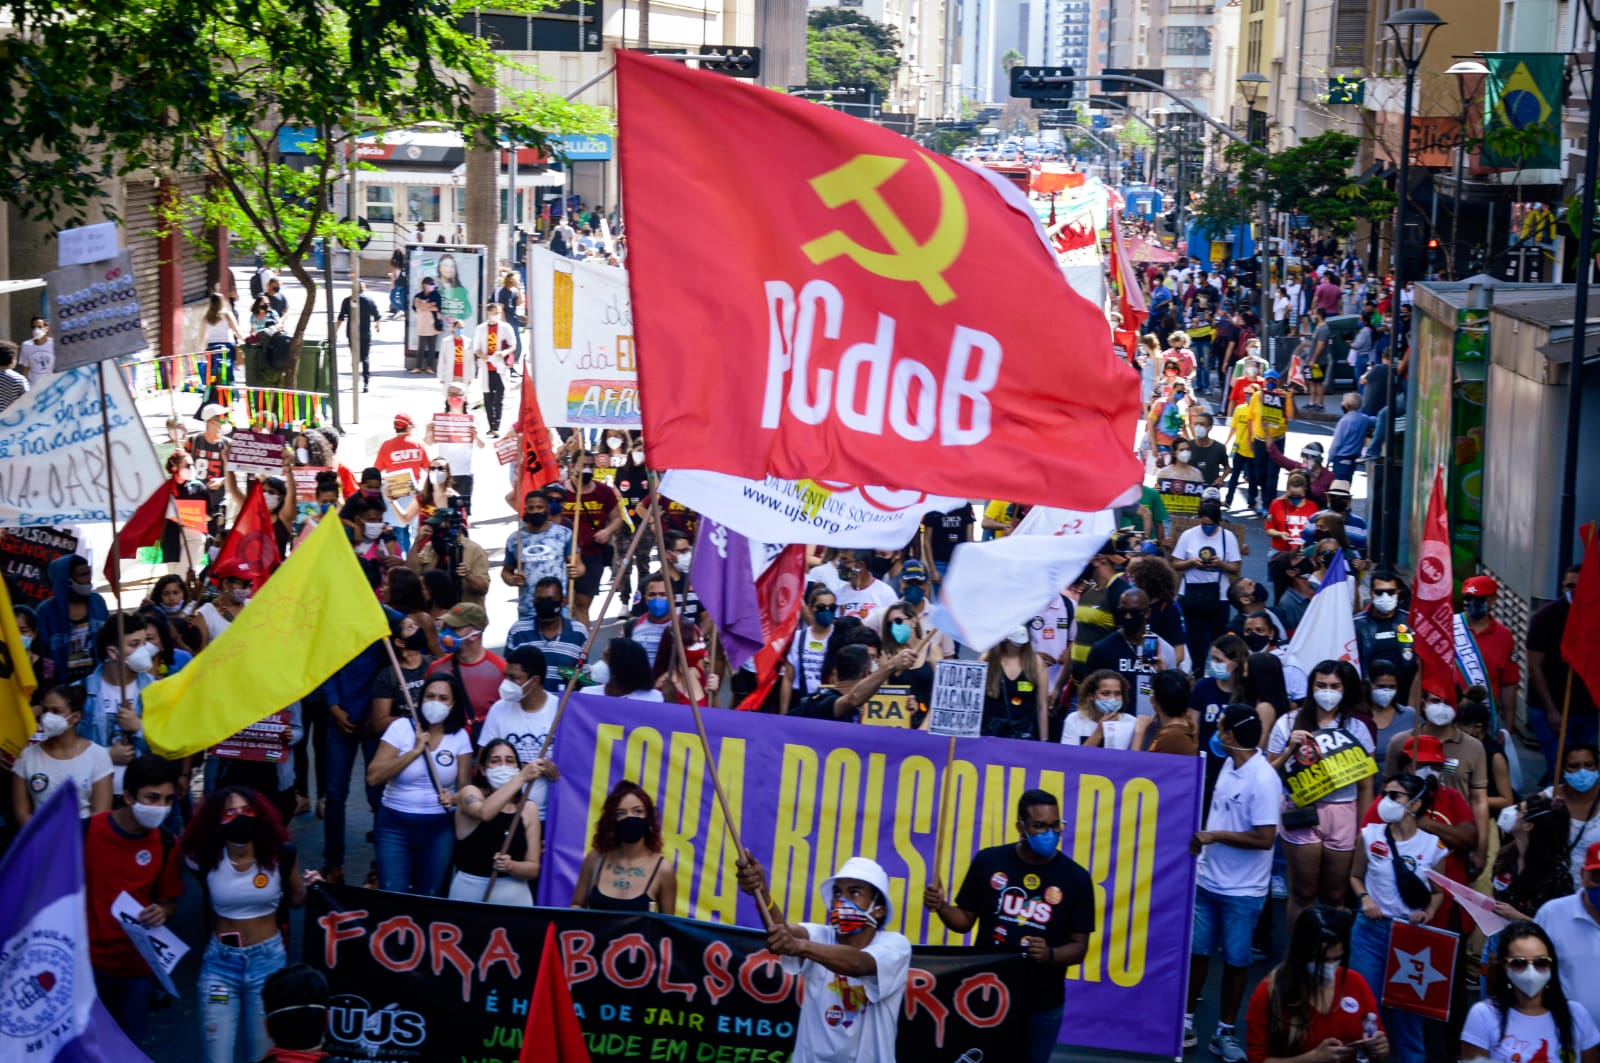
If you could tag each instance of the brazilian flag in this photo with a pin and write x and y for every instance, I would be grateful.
(1526, 91)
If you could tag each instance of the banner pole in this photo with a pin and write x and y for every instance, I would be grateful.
(111, 491)
(577, 516)
(1561, 739)
(944, 796)
(561, 709)
(763, 901)
(416, 725)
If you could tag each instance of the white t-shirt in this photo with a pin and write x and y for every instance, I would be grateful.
(40, 358)
(826, 574)
(638, 695)
(861, 603)
(44, 774)
(1191, 545)
(1420, 852)
(215, 622)
(1278, 741)
(1528, 1037)
(411, 791)
(847, 1019)
(111, 698)
(1581, 833)
(805, 657)
(1076, 728)
(525, 730)
(1246, 796)
(647, 633)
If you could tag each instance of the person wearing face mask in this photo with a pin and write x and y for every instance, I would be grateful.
(485, 810)
(622, 871)
(113, 692)
(560, 640)
(1527, 1014)
(855, 677)
(1533, 866)
(1206, 454)
(1578, 791)
(1220, 686)
(295, 1002)
(401, 453)
(631, 479)
(493, 347)
(1099, 590)
(650, 618)
(44, 669)
(458, 368)
(853, 971)
(678, 557)
(128, 850)
(1287, 517)
(1100, 719)
(374, 541)
(183, 549)
(1383, 630)
(456, 455)
(42, 767)
(1388, 879)
(1383, 694)
(803, 668)
(412, 836)
(248, 869)
(698, 685)
(1573, 924)
(1181, 467)
(1464, 766)
(1549, 678)
(594, 512)
(236, 579)
(1485, 657)
(1248, 598)
(539, 550)
(1233, 872)
(1016, 690)
(36, 356)
(623, 671)
(1312, 1008)
(862, 592)
(1134, 650)
(523, 716)
(469, 662)
(209, 449)
(1207, 556)
(1052, 924)
(69, 620)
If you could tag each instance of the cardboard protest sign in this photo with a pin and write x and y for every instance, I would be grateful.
(889, 707)
(452, 428)
(266, 741)
(1336, 760)
(957, 706)
(258, 453)
(1181, 497)
(305, 481)
(585, 365)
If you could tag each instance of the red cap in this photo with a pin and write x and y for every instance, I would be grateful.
(1480, 587)
(403, 419)
(1428, 749)
(236, 568)
(1591, 859)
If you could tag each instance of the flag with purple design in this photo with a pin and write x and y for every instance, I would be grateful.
(49, 1009)
(723, 573)
(1327, 632)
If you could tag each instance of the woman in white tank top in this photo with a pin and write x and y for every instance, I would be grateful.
(239, 851)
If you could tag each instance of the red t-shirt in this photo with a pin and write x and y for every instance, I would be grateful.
(1287, 516)
(598, 503)
(482, 681)
(1495, 645)
(403, 452)
(1352, 1003)
(1449, 808)
(114, 862)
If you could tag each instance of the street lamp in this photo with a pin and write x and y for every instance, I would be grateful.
(1462, 70)
(1251, 85)
(1412, 28)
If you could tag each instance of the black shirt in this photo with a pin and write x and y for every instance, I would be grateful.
(1545, 632)
(1379, 638)
(947, 530)
(1014, 899)
(1210, 457)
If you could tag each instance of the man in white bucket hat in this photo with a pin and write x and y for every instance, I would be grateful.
(854, 970)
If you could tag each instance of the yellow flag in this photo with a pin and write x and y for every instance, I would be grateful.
(314, 615)
(16, 682)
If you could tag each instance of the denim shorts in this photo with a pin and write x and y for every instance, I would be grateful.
(1225, 920)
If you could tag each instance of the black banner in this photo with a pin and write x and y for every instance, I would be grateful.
(425, 979)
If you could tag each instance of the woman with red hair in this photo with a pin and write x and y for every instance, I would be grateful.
(624, 870)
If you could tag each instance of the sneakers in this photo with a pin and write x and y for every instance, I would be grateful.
(1190, 1038)
(1279, 888)
(1225, 1046)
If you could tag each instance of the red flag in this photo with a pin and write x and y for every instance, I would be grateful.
(144, 528)
(1130, 298)
(1418, 974)
(915, 324)
(779, 591)
(1580, 644)
(552, 1033)
(1432, 619)
(539, 465)
(252, 539)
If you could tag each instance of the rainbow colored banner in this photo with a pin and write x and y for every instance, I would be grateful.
(807, 794)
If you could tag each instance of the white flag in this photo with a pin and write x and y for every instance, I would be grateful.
(995, 587)
(1327, 631)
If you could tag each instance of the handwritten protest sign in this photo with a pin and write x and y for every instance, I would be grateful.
(160, 947)
(398, 484)
(25, 556)
(96, 310)
(1335, 761)
(452, 428)
(957, 706)
(889, 707)
(255, 453)
(583, 346)
(265, 741)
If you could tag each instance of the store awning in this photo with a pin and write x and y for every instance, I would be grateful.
(448, 178)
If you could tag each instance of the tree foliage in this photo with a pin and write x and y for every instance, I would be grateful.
(844, 47)
(1313, 178)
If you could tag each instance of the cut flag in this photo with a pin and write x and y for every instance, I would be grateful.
(538, 466)
(724, 576)
(871, 313)
(1327, 632)
(252, 539)
(17, 683)
(992, 588)
(780, 589)
(145, 527)
(1433, 620)
(552, 1033)
(306, 623)
(1580, 643)
(50, 1009)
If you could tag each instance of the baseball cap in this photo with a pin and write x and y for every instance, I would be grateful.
(1591, 859)
(1424, 749)
(1271, 374)
(863, 870)
(403, 419)
(1480, 587)
(465, 614)
(913, 569)
(212, 409)
(236, 568)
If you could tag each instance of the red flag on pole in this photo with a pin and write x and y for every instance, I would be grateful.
(552, 1033)
(539, 465)
(1580, 643)
(251, 539)
(1418, 974)
(779, 590)
(144, 528)
(1432, 619)
(1130, 299)
(871, 313)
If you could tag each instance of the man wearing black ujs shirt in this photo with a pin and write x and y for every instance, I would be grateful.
(1028, 896)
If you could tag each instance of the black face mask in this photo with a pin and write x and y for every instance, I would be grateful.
(1132, 623)
(546, 608)
(1258, 643)
(1259, 594)
(534, 519)
(880, 566)
(239, 830)
(417, 641)
(633, 829)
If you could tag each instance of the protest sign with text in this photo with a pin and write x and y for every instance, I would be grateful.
(260, 453)
(1181, 497)
(25, 556)
(584, 358)
(957, 706)
(96, 310)
(452, 428)
(1334, 760)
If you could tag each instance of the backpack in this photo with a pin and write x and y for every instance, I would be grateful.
(258, 283)
(277, 351)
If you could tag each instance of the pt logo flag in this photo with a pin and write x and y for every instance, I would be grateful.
(1419, 970)
(537, 466)
(1432, 619)
(1524, 94)
(873, 314)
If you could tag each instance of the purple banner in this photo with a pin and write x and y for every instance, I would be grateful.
(808, 794)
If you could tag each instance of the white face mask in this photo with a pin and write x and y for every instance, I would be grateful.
(142, 659)
(1018, 637)
(1529, 981)
(435, 711)
(614, 442)
(150, 816)
(1185, 455)
(1391, 811)
(1323, 972)
(1107, 706)
(1202, 432)
(638, 457)
(272, 501)
(499, 775)
(302, 455)
(1328, 700)
(1385, 603)
(372, 529)
(1508, 818)
(685, 559)
(439, 476)
(510, 690)
(1440, 714)
(1426, 771)
(39, 334)
(600, 672)
(1383, 696)
(53, 724)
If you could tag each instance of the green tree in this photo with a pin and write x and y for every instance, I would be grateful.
(1011, 58)
(1313, 178)
(106, 88)
(844, 47)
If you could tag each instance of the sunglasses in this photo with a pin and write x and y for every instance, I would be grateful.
(1522, 963)
(231, 814)
(1397, 795)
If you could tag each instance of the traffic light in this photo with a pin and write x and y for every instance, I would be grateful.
(733, 61)
(1034, 82)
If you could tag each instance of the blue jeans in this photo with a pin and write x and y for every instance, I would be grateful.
(231, 1013)
(341, 754)
(1202, 364)
(1044, 1027)
(127, 998)
(414, 851)
(1369, 957)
